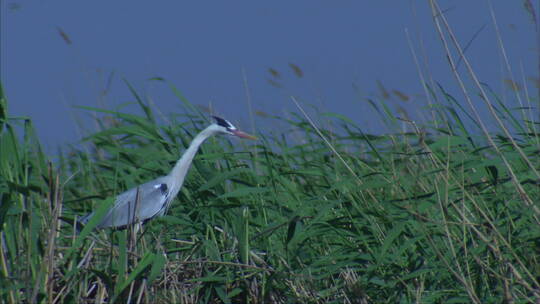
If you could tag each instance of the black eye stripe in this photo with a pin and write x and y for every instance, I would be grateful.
(224, 123)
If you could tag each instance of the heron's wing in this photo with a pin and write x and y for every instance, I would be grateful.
(137, 204)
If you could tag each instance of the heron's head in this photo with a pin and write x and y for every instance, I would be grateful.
(224, 126)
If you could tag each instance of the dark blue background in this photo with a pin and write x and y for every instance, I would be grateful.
(205, 48)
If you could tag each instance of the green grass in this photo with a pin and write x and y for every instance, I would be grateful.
(445, 211)
(421, 216)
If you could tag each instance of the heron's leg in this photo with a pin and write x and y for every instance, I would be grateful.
(132, 235)
(137, 227)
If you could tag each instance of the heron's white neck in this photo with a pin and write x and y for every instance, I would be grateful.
(181, 168)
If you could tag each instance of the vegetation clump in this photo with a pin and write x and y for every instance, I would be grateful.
(435, 214)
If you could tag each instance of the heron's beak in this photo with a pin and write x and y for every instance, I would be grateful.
(243, 135)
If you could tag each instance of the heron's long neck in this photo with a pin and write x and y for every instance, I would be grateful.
(181, 168)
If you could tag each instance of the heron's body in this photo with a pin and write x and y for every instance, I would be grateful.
(153, 198)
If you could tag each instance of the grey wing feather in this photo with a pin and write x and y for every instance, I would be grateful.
(136, 204)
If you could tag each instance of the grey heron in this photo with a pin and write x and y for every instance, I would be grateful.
(153, 198)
